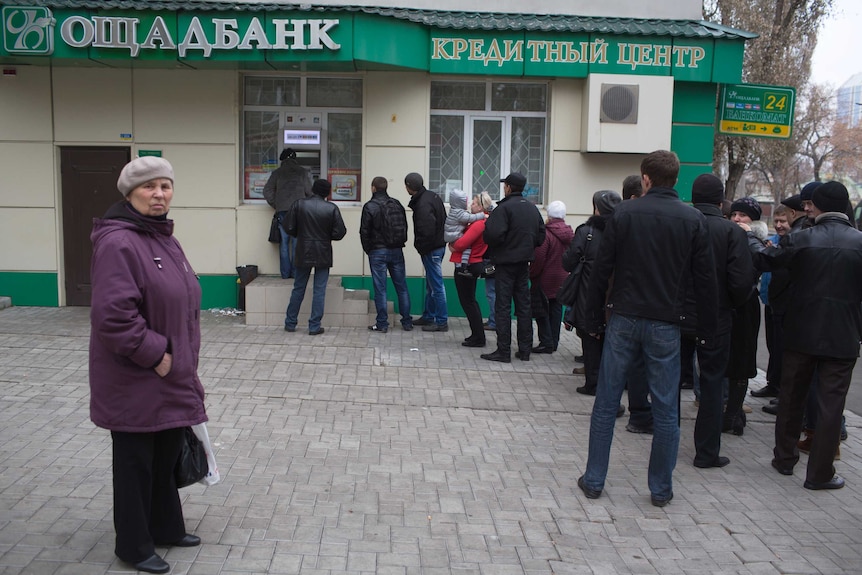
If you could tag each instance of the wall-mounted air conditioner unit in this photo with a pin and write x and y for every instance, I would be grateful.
(627, 114)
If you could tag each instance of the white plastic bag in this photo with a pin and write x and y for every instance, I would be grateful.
(201, 433)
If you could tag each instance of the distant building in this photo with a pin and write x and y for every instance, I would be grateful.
(849, 101)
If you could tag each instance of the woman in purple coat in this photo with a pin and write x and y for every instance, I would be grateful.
(144, 346)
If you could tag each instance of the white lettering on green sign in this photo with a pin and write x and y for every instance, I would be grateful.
(555, 51)
(104, 32)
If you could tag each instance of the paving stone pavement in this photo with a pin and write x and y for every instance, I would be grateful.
(399, 453)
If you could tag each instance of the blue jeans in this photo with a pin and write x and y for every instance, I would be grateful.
(391, 260)
(435, 294)
(491, 294)
(658, 342)
(286, 250)
(321, 277)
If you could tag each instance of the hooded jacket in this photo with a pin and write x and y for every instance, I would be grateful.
(288, 183)
(547, 266)
(146, 301)
(458, 217)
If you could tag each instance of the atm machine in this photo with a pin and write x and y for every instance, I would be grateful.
(303, 133)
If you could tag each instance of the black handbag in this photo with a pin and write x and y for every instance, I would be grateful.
(192, 465)
(274, 233)
(489, 269)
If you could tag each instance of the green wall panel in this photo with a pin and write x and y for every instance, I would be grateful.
(727, 63)
(416, 288)
(692, 143)
(694, 103)
(30, 288)
(687, 174)
(219, 291)
(379, 43)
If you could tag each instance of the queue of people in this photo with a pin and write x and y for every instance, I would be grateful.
(652, 274)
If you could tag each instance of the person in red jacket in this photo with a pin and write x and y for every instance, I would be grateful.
(144, 346)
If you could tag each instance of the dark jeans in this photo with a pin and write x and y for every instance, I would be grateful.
(640, 408)
(707, 428)
(835, 374)
(286, 249)
(391, 260)
(512, 283)
(591, 348)
(548, 327)
(147, 505)
(466, 288)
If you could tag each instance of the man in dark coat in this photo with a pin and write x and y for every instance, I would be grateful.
(822, 333)
(315, 223)
(429, 216)
(287, 184)
(651, 246)
(513, 231)
(735, 274)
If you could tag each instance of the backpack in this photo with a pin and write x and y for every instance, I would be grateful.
(393, 228)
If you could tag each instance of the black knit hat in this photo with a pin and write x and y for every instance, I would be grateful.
(321, 187)
(808, 190)
(707, 189)
(831, 197)
(748, 206)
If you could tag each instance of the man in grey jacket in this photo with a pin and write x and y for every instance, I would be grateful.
(288, 183)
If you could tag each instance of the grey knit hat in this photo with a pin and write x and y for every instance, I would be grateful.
(142, 170)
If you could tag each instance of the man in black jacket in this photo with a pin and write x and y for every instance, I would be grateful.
(735, 275)
(651, 246)
(287, 183)
(315, 223)
(513, 231)
(822, 333)
(429, 215)
(383, 233)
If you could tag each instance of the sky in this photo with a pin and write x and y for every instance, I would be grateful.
(839, 44)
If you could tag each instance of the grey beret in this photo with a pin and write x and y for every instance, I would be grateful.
(142, 170)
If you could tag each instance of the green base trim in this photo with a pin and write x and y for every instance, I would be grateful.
(219, 291)
(30, 288)
(416, 289)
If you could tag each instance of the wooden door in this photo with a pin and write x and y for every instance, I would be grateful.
(89, 187)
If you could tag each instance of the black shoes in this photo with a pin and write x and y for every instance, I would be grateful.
(765, 391)
(660, 502)
(590, 493)
(497, 356)
(523, 355)
(579, 359)
(422, 321)
(580, 371)
(289, 329)
(632, 428)
(473, 342)
(153, 564)
(686, 385)
(379, 329)
(542, 349)
(318, 331)
(584, 390)
(782, 470)
(434, 326)
(771, 409)
(188, 540)
(837, 482)
(719, 461)
(621, 410)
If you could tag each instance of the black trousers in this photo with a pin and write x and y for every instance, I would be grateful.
(640, 408)
(513, 285)
(707, 427)
(776, 352)
(466, 288)
(797, 371)
(147, 505)
(591, 348)
(548, 327)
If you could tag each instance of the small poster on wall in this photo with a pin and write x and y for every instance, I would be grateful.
(255, 180)
(345, 185)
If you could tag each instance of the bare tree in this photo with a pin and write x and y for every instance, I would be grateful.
(780, 56)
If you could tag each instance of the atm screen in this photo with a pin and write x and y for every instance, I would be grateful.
(302, 137)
